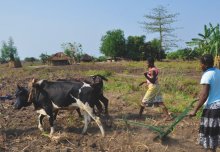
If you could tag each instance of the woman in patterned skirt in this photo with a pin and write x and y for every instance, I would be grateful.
(209, 131)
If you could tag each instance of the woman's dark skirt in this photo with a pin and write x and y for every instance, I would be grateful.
(209, 131)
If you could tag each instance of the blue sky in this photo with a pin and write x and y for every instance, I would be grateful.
(41, 26)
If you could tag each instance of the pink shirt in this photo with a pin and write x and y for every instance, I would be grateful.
(149, 74)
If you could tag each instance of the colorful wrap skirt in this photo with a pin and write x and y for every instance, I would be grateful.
(209, 131)
(153, 96)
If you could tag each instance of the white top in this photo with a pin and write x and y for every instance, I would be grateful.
(212, 77)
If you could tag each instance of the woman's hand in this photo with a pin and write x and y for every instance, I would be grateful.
(145, 74)
(142, 83)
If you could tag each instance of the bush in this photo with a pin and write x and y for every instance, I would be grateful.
(101, 59)
(2, 61)
(184, 54)
(30, 59)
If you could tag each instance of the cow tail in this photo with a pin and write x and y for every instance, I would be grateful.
(89, 110)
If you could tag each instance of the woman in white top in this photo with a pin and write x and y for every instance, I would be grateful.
(209, 131)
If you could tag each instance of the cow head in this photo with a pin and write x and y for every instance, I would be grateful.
(96, 81)
(21, 95)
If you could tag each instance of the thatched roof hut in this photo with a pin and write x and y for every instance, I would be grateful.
(60, 59)
(86, 58)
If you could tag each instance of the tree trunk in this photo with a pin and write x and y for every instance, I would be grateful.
(217, 61)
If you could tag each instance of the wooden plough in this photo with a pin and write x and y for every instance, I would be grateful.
(162, 131)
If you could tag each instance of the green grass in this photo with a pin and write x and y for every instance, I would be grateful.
(105, 73)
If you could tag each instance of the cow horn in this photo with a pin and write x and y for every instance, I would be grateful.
(34, 81)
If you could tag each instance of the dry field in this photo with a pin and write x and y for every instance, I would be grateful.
(19, 130)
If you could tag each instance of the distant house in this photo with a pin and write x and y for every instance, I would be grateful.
(86, 58)
(110, 59)
(60, 59)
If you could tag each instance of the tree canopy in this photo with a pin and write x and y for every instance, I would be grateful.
(30, 59)
(73, 50)
(135, 47)
(9, 51)
(113, 43)
(44, 57)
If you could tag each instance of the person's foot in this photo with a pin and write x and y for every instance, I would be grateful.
(141, 111)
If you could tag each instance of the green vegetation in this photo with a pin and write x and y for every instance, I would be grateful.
(184, 54)
(179, 82)
(73, 50)
(113, 43)
(9, 51)
(209, 42)
(44, 57)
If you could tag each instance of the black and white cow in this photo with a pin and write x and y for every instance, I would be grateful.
(96, 82)
(22, 95)
(50, 96)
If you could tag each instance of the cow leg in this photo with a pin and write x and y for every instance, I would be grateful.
(55, 114)
(85, 115)
(94, 117)
(79, 113)
(89, 110)
(49, 112)
(87, 120)
(40, 122)
(104, 100)
(99, 107)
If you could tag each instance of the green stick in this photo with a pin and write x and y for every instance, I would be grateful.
(163, 133)
(177, 120)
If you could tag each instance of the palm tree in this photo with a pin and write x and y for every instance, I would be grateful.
(215, 39)
(209, 42)
(216, 44)
(203, 42)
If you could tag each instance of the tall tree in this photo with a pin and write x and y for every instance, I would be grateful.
(113, 43)
(159, 21)
(203, 42)
(44, 57)
(155, 49)
(73, 50)
(9, 51)
(215, 39)
(134, 47)
(151, 49)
